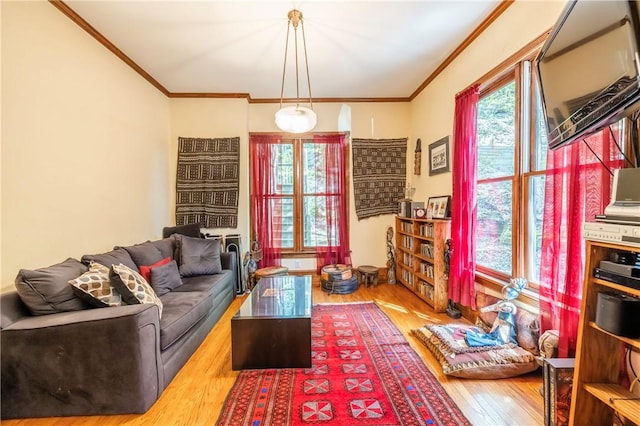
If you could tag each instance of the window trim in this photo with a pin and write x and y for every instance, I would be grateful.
(297, 140)
(514, 67)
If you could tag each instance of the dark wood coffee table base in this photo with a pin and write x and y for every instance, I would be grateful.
(271, 343)
(272, 329)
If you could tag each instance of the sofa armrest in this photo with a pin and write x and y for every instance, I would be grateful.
(229, 260)
(95, 361)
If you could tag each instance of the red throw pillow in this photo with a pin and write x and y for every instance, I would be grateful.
(145, 271)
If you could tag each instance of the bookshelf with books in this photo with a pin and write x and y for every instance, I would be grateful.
(420, 247)
(598, 395)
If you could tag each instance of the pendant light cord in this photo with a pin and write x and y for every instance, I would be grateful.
(284, 67)
(306, 62)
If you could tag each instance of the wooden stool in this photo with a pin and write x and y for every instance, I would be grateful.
(269, 271)
(368, 275)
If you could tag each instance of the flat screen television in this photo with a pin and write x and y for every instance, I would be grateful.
(588, 69)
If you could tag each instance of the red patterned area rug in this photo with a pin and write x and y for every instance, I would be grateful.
(363, 372)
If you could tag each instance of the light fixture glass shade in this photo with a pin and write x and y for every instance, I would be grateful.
(296, 119)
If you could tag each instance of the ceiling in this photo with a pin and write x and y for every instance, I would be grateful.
(356, 49)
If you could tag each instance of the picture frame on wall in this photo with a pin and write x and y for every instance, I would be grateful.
(439, 156)
(438, 207)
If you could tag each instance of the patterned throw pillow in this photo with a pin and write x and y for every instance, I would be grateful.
(133, 288)
(94, 287)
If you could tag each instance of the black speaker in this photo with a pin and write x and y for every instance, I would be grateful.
(233, 243)
(618, 314)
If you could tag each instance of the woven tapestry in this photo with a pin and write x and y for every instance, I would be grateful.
(207, 182)
(379, 175)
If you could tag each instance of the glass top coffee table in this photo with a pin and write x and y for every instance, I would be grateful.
(272, 329)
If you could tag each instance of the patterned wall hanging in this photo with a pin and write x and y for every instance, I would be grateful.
(207, 182)
(379, 175)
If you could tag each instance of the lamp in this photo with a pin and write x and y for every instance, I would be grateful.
(296, 119)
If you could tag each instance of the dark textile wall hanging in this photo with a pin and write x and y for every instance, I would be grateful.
(379, 175)
(207, 182)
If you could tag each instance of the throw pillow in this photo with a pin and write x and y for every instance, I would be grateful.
(190, 230)
(46, 290)
(166, 246)
(113, 257)
(527, 324)
(199, 256)
(133, 288)
(165, 278)
(95, 288)
(144, 253)
(145, 270)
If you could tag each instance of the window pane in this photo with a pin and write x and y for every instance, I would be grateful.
(313, 160)
(282, 160)
(534, 222)
(282, 212)
(494, 232)
(542, 140)
(496, 133)
(315, 222)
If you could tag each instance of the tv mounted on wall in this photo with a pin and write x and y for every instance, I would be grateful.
(588, 70)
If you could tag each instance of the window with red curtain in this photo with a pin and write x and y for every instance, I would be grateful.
(298, 190)
(463, 216)
(577, 187)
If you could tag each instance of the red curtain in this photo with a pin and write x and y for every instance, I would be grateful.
(334, 201)
(464, 208)
(265, 200)
(577, 187)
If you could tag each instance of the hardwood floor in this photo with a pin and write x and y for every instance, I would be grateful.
(196, 395)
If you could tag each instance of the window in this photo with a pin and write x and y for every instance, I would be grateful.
(302, 181)
(299, 173)
(512, 150)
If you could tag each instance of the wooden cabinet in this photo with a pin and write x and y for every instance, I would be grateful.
(420, 247)
(597, 393)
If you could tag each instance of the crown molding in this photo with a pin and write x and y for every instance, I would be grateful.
(71, 14)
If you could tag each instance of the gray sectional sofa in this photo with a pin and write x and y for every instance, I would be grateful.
(61, 355)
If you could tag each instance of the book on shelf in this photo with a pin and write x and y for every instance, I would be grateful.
(558, 383)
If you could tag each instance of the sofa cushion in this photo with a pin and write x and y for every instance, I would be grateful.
(133, 288)
(145, 270)
(190, 230)
(209, 284)
(165, 278)
(144, 254)
(199, 256)
(183, 310)
(95, 288)
(166, 246)
(47, 291)
(113, 257)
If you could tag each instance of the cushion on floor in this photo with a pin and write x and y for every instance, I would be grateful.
(457, 359)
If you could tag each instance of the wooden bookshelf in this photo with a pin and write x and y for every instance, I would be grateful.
(420, 247)
(597, 394)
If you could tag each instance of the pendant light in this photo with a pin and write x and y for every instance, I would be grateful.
(297, 118)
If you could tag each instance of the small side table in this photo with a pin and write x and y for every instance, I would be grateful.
(368, 275)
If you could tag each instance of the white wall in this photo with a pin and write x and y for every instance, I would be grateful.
(89, 148)
(432, 111)
(214, 118)
(85, 144)
(226, 118)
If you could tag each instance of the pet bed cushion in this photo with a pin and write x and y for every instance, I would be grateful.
(447, 344)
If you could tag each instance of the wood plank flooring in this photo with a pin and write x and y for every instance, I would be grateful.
(196, 395)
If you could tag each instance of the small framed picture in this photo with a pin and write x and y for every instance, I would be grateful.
(438, 207)
(439, 156)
